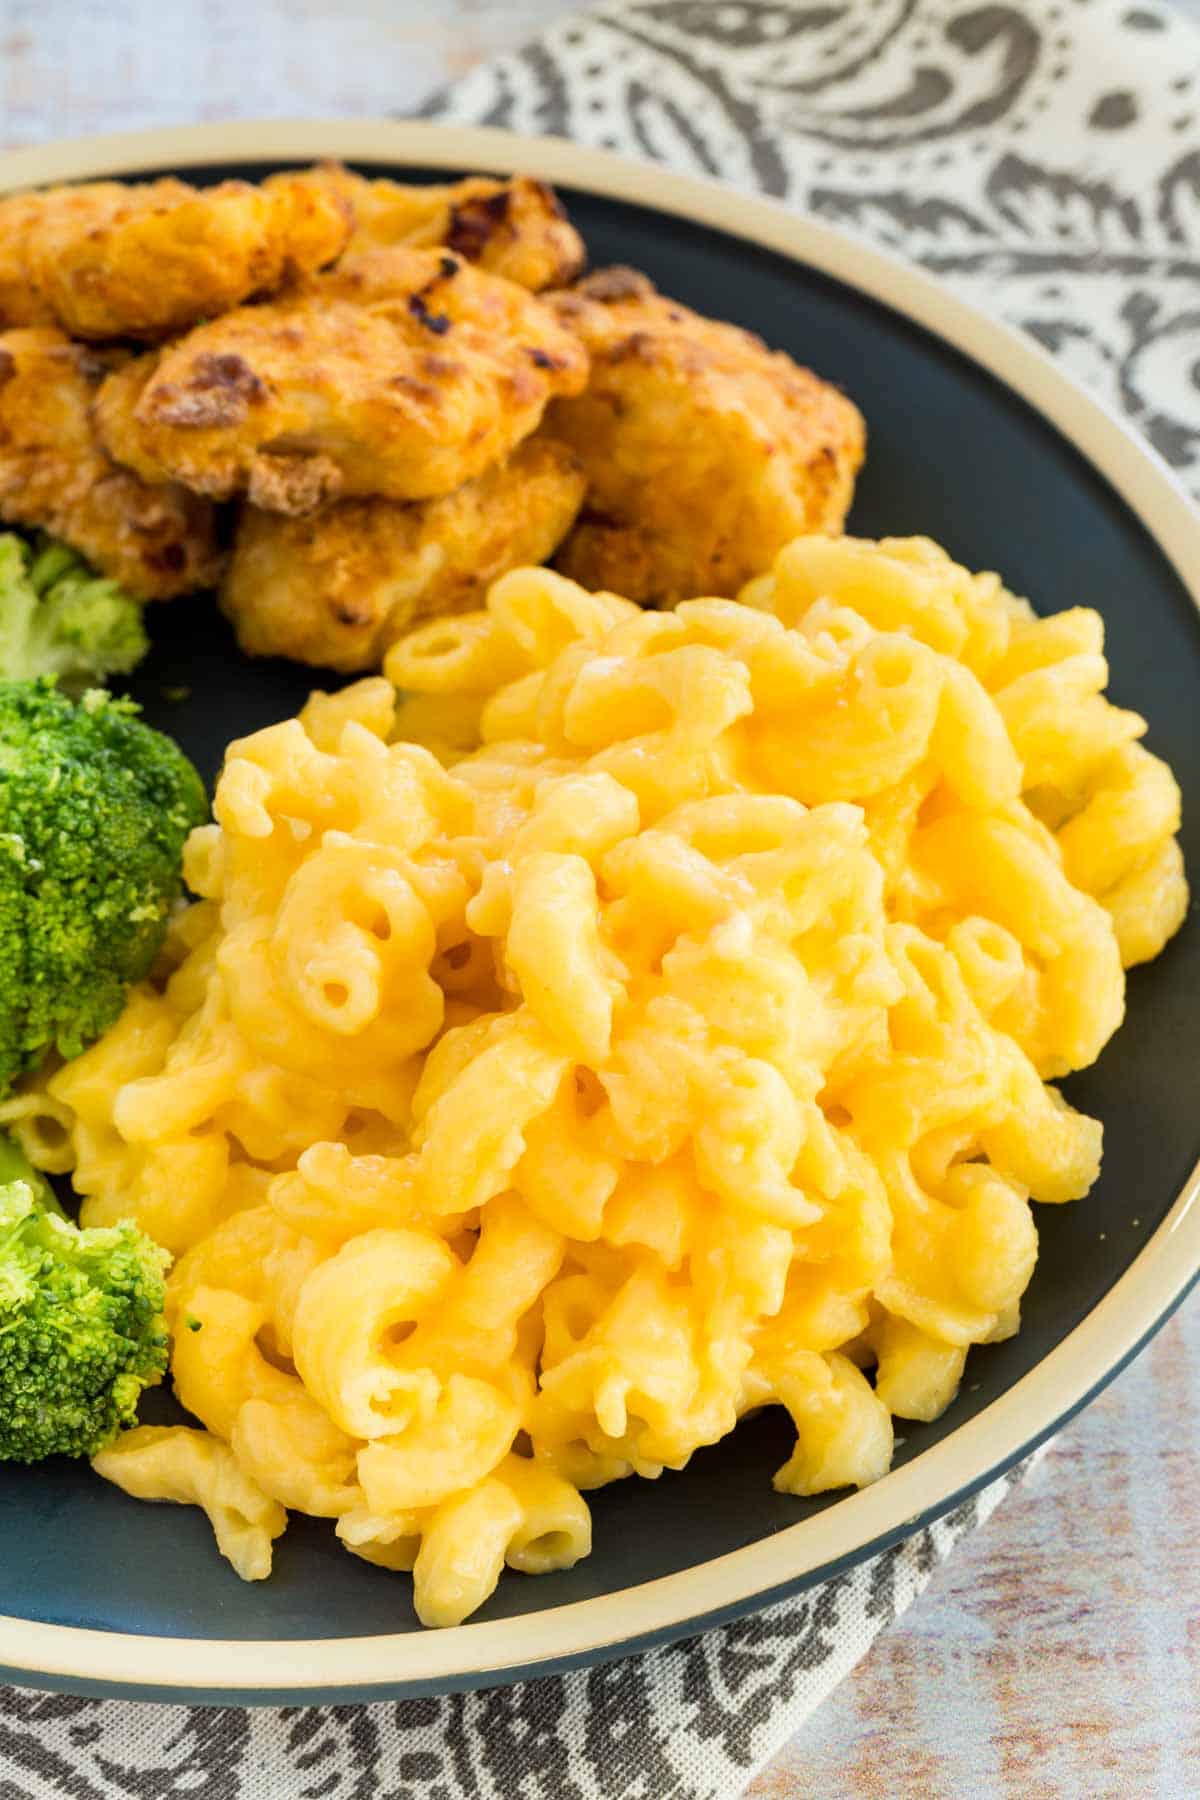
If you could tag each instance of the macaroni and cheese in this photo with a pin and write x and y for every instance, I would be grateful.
(648, 1018)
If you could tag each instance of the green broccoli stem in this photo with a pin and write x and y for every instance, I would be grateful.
(15, 1166)
(51, 562)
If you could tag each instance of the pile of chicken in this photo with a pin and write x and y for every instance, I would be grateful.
(404, 394)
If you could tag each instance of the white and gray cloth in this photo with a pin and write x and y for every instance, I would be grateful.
(1043, 156)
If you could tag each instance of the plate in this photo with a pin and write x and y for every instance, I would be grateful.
(976, 439)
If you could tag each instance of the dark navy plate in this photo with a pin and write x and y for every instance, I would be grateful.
(135, 1597)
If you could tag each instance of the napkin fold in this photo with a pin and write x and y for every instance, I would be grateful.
(1042, 160)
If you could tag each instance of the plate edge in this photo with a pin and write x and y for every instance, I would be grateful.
(1140, 479)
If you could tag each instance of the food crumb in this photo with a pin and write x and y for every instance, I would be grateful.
(175, 694)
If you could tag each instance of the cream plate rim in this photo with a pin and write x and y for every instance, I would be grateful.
(1064, 1380)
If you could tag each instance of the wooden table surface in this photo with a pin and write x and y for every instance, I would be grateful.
(1056, 1656)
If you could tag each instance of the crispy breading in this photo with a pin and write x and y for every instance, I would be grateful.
(337, 588)
(20, 301)
(401, 372)
(515, 228)
(156, 541)
(109, 259)
(705, 452)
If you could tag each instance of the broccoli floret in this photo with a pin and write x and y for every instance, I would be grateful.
(81, 1328)
(58, 618)
(94, 810)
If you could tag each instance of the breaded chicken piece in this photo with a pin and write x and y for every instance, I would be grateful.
(108, 259)
(516, 228)
(337, 588)
(156, 541)
(705, 452)
(401, 372)
(20, 302)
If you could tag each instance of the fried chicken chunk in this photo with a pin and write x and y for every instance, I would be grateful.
(20, 301)
(704, 451)
(156, 541)
(515, 228)
(337, 588)
(108, 259)
(401, 372)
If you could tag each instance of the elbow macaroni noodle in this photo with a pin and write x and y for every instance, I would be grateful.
(648, 1019)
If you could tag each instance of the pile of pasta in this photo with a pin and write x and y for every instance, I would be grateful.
(647, 1019)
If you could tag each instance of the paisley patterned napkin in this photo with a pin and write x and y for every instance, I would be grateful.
(1042, 157)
